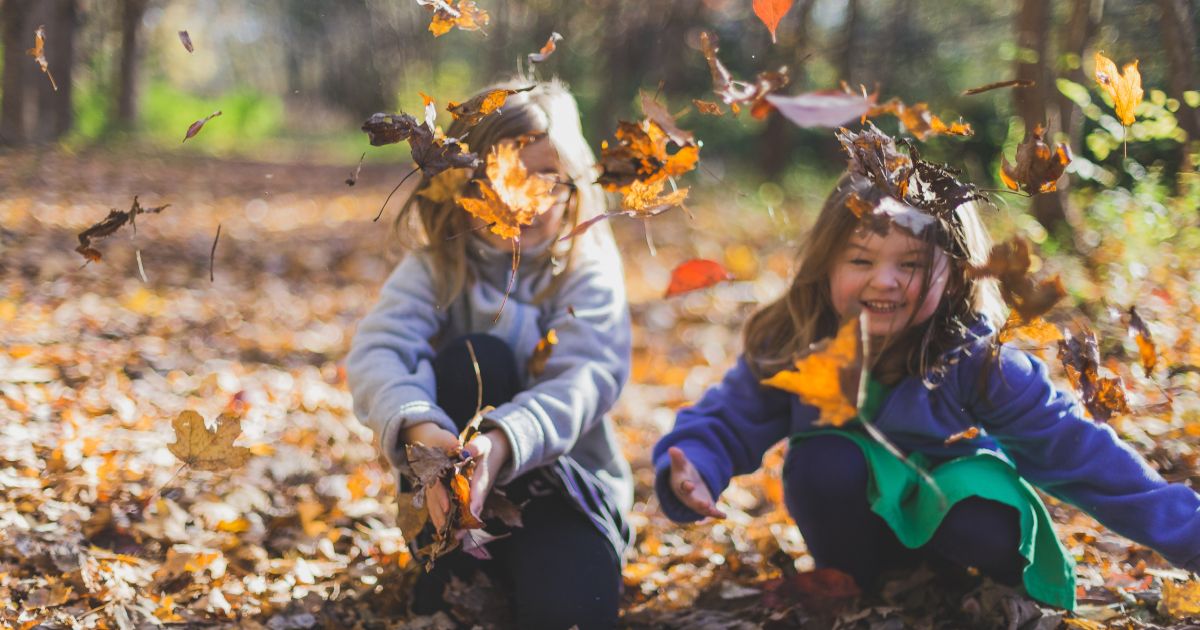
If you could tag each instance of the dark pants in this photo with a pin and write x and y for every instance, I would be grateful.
(558, 568)
(825, 480)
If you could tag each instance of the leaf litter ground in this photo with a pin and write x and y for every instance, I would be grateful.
(97, 530)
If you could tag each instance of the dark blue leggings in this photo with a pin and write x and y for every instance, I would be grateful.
(559, 569)
(825, 487)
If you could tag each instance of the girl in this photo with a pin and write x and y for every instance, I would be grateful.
(939, 372)
(548, 443)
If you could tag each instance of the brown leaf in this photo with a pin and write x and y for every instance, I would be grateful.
(1013, 83)
(186, 40)
(1009, 263)
(1145, 341)
(432, 154)
(200, 448)
(497, 505)
(1080, 356)
(1125, 87)
(656, 112)
(1038, 167)
(428, 463)
(708, 107)
(735, 93)
(353, 179)
(195, 127)
(38, 52)
(548, 49)
(696, 274)
(641, 153)
(448, 14)
(919, 121)
(110, 224)
(771, 12)
(481, 105)
(541, 354)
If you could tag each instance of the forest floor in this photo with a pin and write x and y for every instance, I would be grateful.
(100, 527)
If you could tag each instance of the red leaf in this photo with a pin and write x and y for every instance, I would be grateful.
(770, 12)
(696, 274)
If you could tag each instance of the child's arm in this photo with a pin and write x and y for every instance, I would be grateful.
(389, 367)
(1085, 463)
(584, 374)
(725, 434)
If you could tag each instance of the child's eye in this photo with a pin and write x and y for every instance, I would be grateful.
(913, 265)
(859, 261)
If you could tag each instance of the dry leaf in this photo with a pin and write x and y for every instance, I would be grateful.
(827, 377)
(696, 274)
(186, 40)
(447, 14)
(831, 108)
(200, 448)
(641, 153)
(708, 107)
(970, 433)
(771, 12)
(1038, 167)
(919, 121)
(1180, 600)
(547, 49)
(1145, 341)
(1009, 263)
(510, 197)
(541, 354)
(353, 179)
(1125, 88)
(1037, 331)
(433, 154)
(1013, 83)
(1103, 397)
(447, 185)
(110, 224)
(195, 127)
(735, 93)
(647, 199)
(481, 105)
(38, 52)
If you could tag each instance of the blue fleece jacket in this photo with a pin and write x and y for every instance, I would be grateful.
(1039, 428)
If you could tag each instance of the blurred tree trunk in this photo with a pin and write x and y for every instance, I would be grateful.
(777, 139)
(900, 48)
(1077, 33)
(1033, 27)
(13, 14)
(127, 69)
(1179, 38)
(55, 114)
(848, 49)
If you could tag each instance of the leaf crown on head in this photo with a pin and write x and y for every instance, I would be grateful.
(926, 188)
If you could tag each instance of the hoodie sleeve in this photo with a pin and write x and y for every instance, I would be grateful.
(389, 368)
(725, 434)
(1056, 447)
(585, 372)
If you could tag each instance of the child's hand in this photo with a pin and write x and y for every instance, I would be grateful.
(491, 451)
(689, 487)
(437, 500)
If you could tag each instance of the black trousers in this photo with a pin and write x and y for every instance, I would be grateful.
(558, 569)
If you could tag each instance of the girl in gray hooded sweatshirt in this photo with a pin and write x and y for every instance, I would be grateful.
(548, 443)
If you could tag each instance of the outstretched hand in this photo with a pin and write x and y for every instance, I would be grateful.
(437, 499)
(689, 487)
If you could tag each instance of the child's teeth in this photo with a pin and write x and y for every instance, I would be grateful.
(881, 306)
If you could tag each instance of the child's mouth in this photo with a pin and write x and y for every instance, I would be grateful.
(882, 307)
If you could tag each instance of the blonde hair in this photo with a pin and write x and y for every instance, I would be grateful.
(782, 330)
(444, 228)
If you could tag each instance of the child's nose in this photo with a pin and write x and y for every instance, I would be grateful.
(886, 277)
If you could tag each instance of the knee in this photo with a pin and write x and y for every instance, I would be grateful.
(822, 471)
(454, 372)
(983, 534)
(587, 611)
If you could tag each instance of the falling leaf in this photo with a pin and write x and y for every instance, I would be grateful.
(657, 113)
(195, 127)
(831, 108)
(708, 107)
(1013, 83)
(648, 198)
(1124, 88)
(541, 353)
(736, 93)
(38, 52)
(447, 185)
(110, 224)
(827, 377)
(1145, 341)
(771, 12)
(481, 105)
(919, 121)
(200, 448)
(970, 433)
(447, 14)
(1080, 355)
(353, 179)
(873, 154)
(186, 40)
(1038, 167)
(430, 111)
(1037, 331)
(510, 196)
(1009, 263)
(547, 49)
(642, 153)
(433, 154)
(696, 274)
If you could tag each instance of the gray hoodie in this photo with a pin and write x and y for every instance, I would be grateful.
(561, 412)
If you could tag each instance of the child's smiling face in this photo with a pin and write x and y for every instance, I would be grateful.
(882, 275)
(541, 158)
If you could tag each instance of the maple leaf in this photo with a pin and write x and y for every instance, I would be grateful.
(511, 197)
(38, 52)
(696, 274)
(433, 154)
(195, 127)
(200, 448)
(1145, 341)
(545, 346)
(186, 40)
(483, 104)
(829, 108)
(918, 120)
(1125, 88)
(1038, 167)
(771, 12)
(641, 154)
(1009, 263)
(647, 199)
(110, 224)
(828, 376)
(739, 93)
(1080, 356)
(547, 49)
(447, 14)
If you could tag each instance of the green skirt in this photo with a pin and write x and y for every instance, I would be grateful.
(914, 510)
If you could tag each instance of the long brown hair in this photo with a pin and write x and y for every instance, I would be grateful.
(444, 229)
(782, 330)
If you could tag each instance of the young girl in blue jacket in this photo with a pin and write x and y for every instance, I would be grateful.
(549, 443)
(939, 372)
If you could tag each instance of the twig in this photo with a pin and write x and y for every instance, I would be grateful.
(389, 197)
(213, 253)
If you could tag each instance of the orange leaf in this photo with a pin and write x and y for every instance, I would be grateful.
(770, 12)
(460, 490)
(1009, 263)
(541, 354)
(1145, 341)
(1038, 167)
(648, 198)
(919, 121)
(481, 105)
(1125, 87)
(696, 274)
(828, 376)
(970, 433)
(708, 107)
(547, 50)
(447, 14)
(511, 197)
(38, 52)
(641, 152)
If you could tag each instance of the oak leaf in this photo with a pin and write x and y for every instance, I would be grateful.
(200, 448)
(828, 376)
(1038, 166)
(1125, 87)
(38, 52)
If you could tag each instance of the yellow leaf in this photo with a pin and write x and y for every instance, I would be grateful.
(1125, 88)
(1181, 600)
(541, 354)
(511, 197)
(200, 448)
(446, 186)
(646, 198)
(827, 377)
